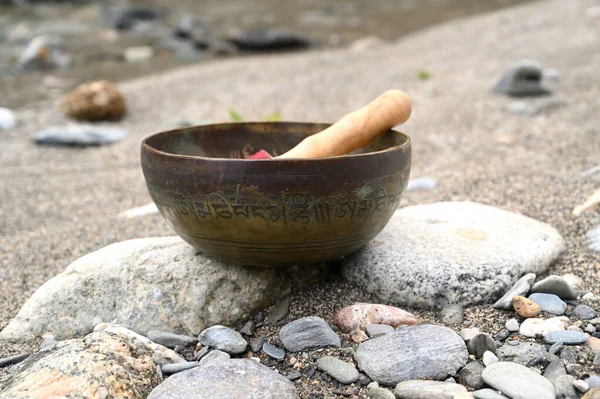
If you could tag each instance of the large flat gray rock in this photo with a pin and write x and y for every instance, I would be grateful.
(231, 379)
(411, 353)
(518, 382)
(452, 252)
(149, 284)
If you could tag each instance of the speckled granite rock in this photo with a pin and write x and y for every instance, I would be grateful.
(231, 379)
(140, 283)
(98, 365)
(412, 352)
(452, 252)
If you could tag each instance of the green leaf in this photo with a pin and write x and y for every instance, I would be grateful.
(275, 117)
(235, 116)
(424, 74)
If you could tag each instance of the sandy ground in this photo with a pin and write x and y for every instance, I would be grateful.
(61, 203)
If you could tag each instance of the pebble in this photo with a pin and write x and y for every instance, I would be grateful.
(488, 393)
(380, 393)
(489, 358)
(273, 351)
(525, 353)
(566, 337)
(294, 375)
(549, 303)
(257, 344)
(44, 52)
(468, 333)
(342, 371)
(171, 340)
(94, 101)
(174, 368)
(412, 352)
(593, 381)
(522, 79)
(270, 39)
(360, 315)
(595, 321)
(421, 183)
(201, 353)
(224, 339)
(374, 330)
(555, 348)
(525, 307)
(584, 312)
(533, 327)
(581, 386)
(248, 328)
(280, 311)
(9, 361)
(518, 381)
(554, 370)
(512, 325)
(564, 387)
(415, 249)
(520, 288)
(79, 135)
(358, 336)
(593, 343)
(589, 296)
(470, 375)
(480, 344)
(420, 389)
(138, 54)
(452, 315)
(590, 329)
(502, 334)
(7, 119)
(308, 333)
(555, 285)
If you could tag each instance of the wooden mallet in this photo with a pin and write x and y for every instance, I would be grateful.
(354, 130)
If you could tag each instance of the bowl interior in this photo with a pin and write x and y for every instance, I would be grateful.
(240, 140)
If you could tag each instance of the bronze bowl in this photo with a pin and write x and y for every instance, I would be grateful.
(272, 212)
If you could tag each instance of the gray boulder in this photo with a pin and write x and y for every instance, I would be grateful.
(452, 252)
(150, 284)
(412, 352)
(231, 379)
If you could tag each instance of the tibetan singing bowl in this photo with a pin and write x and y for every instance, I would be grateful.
(273, 212)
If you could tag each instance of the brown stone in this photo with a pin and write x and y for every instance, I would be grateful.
(593, 393)
(593, 343)
(358, 336)
(94, 101)
(361, 314)
(100, 365)
(525, 307)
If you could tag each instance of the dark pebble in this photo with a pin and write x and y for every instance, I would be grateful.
(9, 361)
(522, 79)
(294, 375)
(502, 335)
(201, 353)
(260, 317)
(364, 380)
(481, 343)
(248, 328)
(310, 372)
(470, 375)
(269, 39)
(584, 312)
(556, 348)
(273, 351)
(596, 335)
(171, 340)
(257, 344)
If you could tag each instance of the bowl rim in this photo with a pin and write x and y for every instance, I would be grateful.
(149, 148)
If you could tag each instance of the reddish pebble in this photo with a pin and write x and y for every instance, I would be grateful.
(361, 314)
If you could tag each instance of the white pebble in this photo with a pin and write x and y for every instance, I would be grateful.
(512, 325)
(7, 118)
(589, 297)
(256, 359)
(421, 183)
(590, 329)
(138, 54)
(489, 358)
(581, 385)
(574, 328)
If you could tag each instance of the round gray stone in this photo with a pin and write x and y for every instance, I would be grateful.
(342, 371)
(518, 381)
(584, 312)
(549, 303)
(451, 252)
(232, 378)
(480, 344)
(224, 339)
(470, 375)
(308, 333)
(420, 389)
(412, 352)
(555, 285)
(566, 337)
